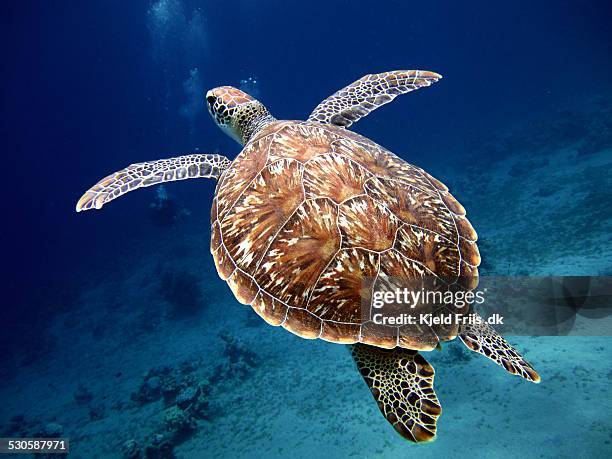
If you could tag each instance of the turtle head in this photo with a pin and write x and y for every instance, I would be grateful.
(236, 113)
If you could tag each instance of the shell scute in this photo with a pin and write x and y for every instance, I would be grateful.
(340, 292)
(334, 176)
(243, 170)
(303, 323)
(439, 255)
(413, 206)
(367, 223)
(261, 211)
(269, 309)
(299, 252)
(301, 142)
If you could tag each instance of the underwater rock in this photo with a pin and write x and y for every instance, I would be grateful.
(53, 430)
(194, 400)
(240, 362)
(154, 384)
(149, 391)
(160, 447)
(178, 426)
(236, 351)
(189, 366)
(130, 450)
(82, 395)
(200, 408)
(170, 387)
(97, 411)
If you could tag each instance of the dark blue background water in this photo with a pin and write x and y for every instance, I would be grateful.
(89, 87)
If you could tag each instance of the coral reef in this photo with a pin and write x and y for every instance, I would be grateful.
(53, 430)
(158, 383)
(178, 422)
(185, 398)
(239, 363)
(130, 449)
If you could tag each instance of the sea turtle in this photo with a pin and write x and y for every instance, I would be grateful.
(309, 211)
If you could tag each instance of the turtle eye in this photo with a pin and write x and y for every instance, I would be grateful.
(211, 101)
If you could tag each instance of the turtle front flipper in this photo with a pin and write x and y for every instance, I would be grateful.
(482, 338)
(401, 382)
(150, 173)
(355, 101)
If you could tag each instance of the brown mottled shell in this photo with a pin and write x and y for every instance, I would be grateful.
(307, 212)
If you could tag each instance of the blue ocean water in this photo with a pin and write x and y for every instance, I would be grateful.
(107, 316)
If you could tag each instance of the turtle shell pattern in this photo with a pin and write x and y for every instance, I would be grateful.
(307, 211)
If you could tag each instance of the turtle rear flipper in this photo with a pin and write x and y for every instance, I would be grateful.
(482, 338)
(401, 381)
